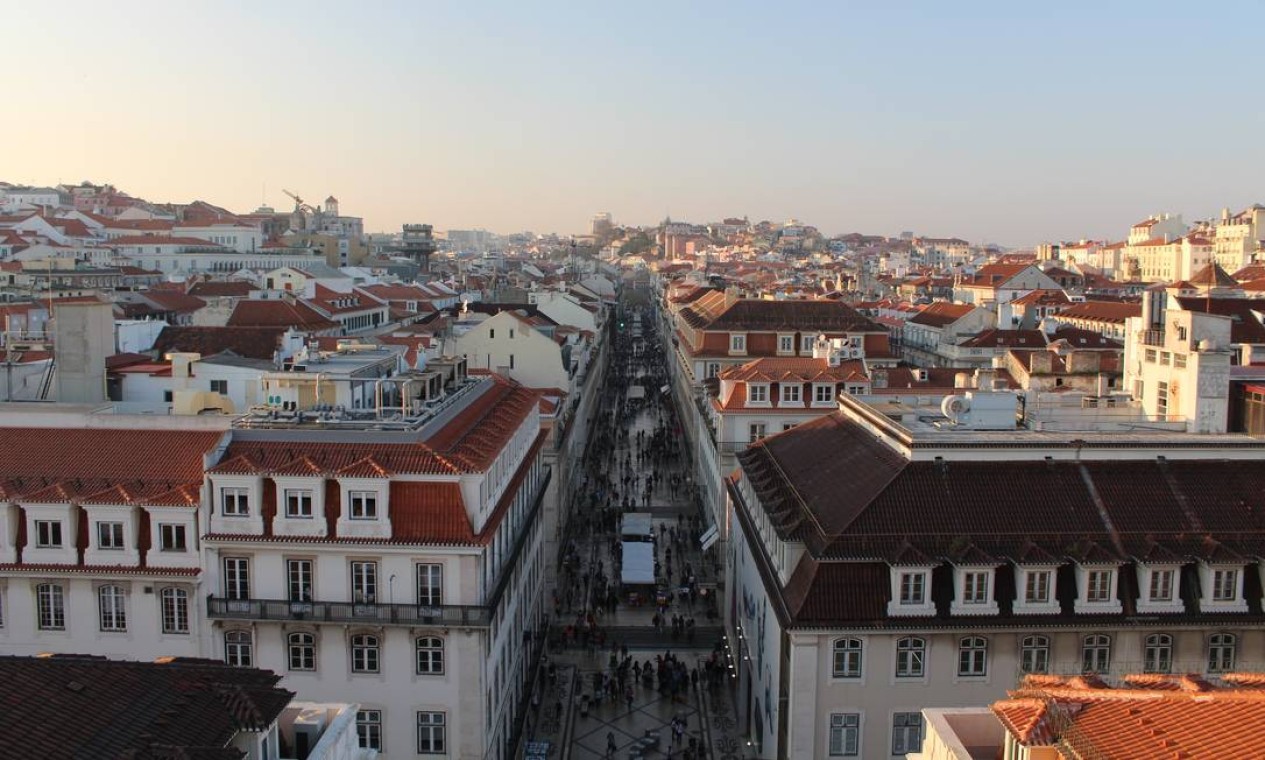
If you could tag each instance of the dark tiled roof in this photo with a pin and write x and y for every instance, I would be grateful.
(230, 288)
(248, 342)
(1245, 326)
(278, 313)
(80, 706)
(941, 313)
(748, 314)
(994, 338)
(1103, 311)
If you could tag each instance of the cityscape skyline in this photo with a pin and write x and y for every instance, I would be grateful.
(1039, 130)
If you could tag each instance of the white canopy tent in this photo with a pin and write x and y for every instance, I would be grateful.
(638, 564)
(636, 525)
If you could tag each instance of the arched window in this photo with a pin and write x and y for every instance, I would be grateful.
(911, 656)
(175, 603)
(365, 654)
(238, 649)
(302, 651)
(1158, 654)
(110, 605)
(847, 658)
(973, 656)
(1096, 653)
(1034, 654)
(430, 656)
(1221, 652)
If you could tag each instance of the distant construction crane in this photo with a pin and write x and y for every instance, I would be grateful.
(299, 205)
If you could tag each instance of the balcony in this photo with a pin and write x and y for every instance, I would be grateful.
(455, 616)
(1152, 337)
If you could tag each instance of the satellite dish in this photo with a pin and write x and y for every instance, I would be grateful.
(955, 406)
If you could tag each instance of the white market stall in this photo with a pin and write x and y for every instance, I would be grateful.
(638, 564)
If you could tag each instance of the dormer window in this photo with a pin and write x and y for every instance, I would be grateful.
(911, 591)
(48, 534)
(1096, 589)
(1222, 588)
(298, 503)
(1101, 586)
(823, 394)
(235, 502)
(737, 344)
(1159, 588)
(364, 505)
(172, 538)
(791, 393)
(913, 588)
(1036, 588)
(758, 393)
(973, 589)
(806, 343)
(786, 344)
(110, 535)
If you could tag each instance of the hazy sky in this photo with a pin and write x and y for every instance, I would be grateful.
(1011, 122)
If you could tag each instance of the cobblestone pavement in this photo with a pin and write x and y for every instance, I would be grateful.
(565, 715)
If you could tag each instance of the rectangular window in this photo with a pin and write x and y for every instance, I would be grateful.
(369, 729)
(786, 344)
(236, 578)
(806, 343)
(364, 505)
(1037, 587)
(790, 394)
(756, 431)
(172, 538)
(299, 579)
(51, 606)
(431, 737)
(48, 534)
(845, 734)
(175, 610)
(737, 343)
(787, 426)
(110, 535)
(364, 582)
(975, 588)
(1161, 585)
(298, 503)
(1225, 585)
(220, 387)
(1099, 586)
(167, 396)
(847, 658)
(430, 585)
(235, 502)
(1179, 361)
(824, 394)
(912, 588)
(1151, 355)
(111, 608)
(759, 393)
(906, 733)
(1161, 397)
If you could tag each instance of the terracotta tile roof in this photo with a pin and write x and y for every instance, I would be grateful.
(278, 313)
(277, 457)
(429, 513)
(248, 342)
(1213, 276)
(1152, 717)
(49, 455)
(474, 438)
(81, 705)
(1101, 311)
(780, 369)
(994, 338)
(941, 314)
